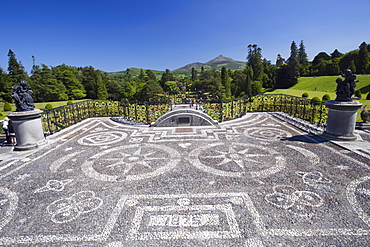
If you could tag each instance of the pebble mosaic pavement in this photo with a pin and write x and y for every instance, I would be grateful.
(253, 181)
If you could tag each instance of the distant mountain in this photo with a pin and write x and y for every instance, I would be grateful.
(217, 63)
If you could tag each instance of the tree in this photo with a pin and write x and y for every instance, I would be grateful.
(285, 77)
(70, 77)
(166, 76)
(141, 75)
(225, 80)
(15, 70)
(114, 89)
(5, 86)
(293, 59)
(150, 91)
(352, 66)
(279, 60)
(45, 85)
(335, 54)
(94, 82)
(127, 76)
(254, 60)
(171, 87)
(347, 61)
(319, 58)
(150, 75)
(194, 74)
(302, 59)
(269, 74)
(363, 59)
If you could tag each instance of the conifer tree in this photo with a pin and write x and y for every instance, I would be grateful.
(279, 60)
(5, 86)
(363, 59)
(45, 85)
(336, 54)
(293, 59)
(15, 69)
(226, 82)
(302, 58)
(254, 60)
(194, 74)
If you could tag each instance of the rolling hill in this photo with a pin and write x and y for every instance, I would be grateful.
(216, 63)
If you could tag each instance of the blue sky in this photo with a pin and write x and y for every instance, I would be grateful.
(167, 34)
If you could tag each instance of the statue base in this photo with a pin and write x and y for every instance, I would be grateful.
(28, 129)
(341, 120)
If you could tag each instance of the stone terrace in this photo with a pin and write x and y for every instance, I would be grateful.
(253, 181)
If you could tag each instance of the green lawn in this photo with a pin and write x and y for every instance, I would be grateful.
(37, 106)
(320, 85)
(327, 83)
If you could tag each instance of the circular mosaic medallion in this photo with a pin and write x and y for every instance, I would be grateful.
(238, 160)
(131, 162)
(102, 138)
(266, 133)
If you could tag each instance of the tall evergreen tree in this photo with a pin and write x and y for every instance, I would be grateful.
(194, 74)
(279, 60)
(254, 60)
(225, 80)
(302, 59)
(15, 69)
(293, 61)
(363, 59)
(335, 54)
(5, 86)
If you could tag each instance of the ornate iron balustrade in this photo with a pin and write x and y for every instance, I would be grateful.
(64, 116)
(312, 111)
(59, 118)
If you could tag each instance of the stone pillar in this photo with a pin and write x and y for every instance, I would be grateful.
(28, 129)
(341, 120)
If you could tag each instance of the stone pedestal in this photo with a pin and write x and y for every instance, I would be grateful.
(28, 129)
(341, 120)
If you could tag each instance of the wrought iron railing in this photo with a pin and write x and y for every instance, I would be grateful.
(58, 118)
(312, 111)
(61, 117)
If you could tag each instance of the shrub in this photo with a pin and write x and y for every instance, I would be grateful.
(358, 94)
(305, 95)
(315, 100)
(365, 115)
(48, 106)
(368, 96)
(7, 106)
(326, 97)
(69, 102)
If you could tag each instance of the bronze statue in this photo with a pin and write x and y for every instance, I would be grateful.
(346, 87)
(22, 95)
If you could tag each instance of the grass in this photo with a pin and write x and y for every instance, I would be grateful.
(320, 85)
(37, 106)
